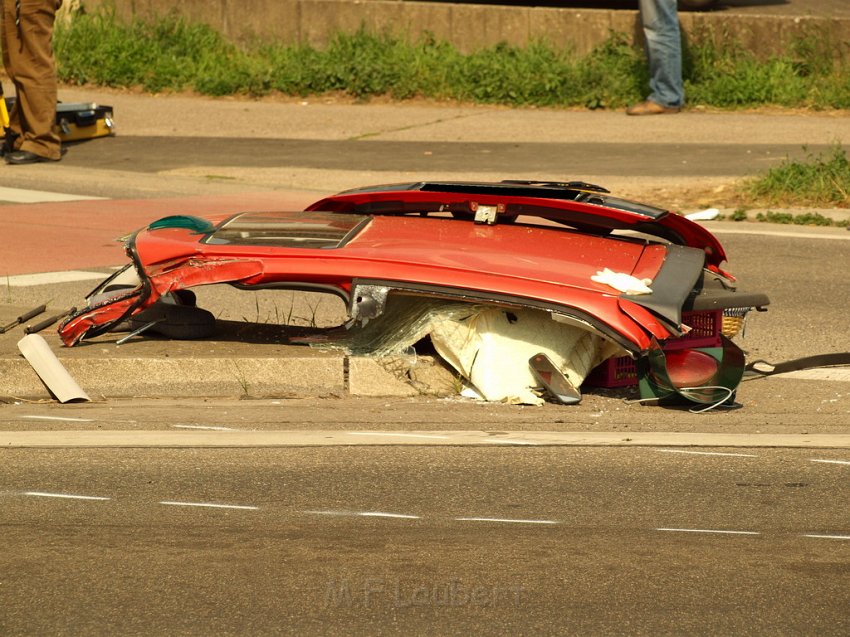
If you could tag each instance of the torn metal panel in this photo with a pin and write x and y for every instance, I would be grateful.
(172, 277)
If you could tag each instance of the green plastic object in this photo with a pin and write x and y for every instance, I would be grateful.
(188, 222)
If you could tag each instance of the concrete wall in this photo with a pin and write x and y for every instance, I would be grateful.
(468, 26)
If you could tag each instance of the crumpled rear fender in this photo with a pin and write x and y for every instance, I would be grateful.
(93, 321)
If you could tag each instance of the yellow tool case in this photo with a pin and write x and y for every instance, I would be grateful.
(83, 121)
(77, 121)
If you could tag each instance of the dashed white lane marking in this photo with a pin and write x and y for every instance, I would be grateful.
(58, 418)
(395, 435)
(382, 514)
(67, 496)
(47, 278)
(205, 427)
(507, 520)
(365, 514)
(709, 453)
(719, 531)
(210, 505)
(827, 537)
(847, 462)
(19, 195)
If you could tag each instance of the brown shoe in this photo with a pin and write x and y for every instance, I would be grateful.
(649, 107)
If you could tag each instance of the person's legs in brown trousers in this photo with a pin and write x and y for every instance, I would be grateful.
(28, 58)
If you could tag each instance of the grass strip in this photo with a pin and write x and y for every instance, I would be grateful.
(172, 54)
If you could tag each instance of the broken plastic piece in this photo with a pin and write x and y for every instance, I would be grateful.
(554, 380)
(709, 214)
(52, 373)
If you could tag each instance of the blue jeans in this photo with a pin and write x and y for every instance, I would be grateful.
(664, 51)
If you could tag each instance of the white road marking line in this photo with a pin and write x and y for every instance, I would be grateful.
(502, 441)
(709, 453)
(507, 520)
(847, 462)
(209, 505)
(20, 195)
(710, 531)
(827, 537)
(67, 496)
(59, 418)
(394, 435)
(46, 278)
(366, 514)
(205, 427)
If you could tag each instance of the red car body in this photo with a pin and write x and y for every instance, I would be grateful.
(512, 244)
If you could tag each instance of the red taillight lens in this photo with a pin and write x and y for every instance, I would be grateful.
(690, 368)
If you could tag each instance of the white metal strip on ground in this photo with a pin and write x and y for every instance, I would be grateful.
(47, 278)
(334, 438)
(19, 195)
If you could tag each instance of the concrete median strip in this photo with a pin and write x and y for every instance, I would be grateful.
(286, 375)
(334, 438)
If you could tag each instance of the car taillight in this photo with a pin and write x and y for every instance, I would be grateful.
(690, 368)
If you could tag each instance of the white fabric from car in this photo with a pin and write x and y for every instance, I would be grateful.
(622, 282)
(492, 347)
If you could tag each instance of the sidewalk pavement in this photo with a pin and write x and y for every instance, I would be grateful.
(79, 234)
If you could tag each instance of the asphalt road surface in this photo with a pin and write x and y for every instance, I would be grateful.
(452, 541)
(160, 154)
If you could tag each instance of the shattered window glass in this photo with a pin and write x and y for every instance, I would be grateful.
(289, 229)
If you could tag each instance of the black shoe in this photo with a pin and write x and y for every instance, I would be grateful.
(8, 142)
(25, 157)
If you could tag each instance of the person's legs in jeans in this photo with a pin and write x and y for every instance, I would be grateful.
(664, 51)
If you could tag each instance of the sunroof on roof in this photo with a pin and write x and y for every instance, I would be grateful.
(288, 229)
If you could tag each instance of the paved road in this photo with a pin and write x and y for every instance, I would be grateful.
(346, 541)
(672, 160)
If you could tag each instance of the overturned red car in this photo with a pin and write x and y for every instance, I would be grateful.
(518, 267)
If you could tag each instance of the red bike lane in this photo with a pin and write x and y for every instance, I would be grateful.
(74, 235)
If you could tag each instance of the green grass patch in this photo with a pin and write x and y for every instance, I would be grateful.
(171, 54)
(821, 180)
(803, 219)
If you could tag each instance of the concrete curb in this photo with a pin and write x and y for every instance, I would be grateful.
(235, 377)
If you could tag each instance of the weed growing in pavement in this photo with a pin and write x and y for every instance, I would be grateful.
(805, 219)
(170, 53)
(241, 378)
(823, 180)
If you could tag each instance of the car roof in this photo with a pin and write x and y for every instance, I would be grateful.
(579, 205)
